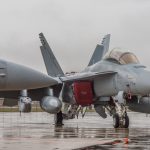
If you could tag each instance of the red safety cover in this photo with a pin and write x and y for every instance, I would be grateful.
(83, 93)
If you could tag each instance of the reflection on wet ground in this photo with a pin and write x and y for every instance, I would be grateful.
(36, 131)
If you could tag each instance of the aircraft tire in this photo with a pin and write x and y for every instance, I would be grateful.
(116, 120)
(126, 121)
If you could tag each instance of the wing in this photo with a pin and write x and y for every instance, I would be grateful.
(85, 76)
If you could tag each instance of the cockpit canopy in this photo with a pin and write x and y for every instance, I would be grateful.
(121, 57)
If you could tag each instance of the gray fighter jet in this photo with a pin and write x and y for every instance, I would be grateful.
(110, 82)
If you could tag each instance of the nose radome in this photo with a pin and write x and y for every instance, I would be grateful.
(21, 77)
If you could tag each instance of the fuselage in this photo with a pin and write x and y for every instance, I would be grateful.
(132, 78)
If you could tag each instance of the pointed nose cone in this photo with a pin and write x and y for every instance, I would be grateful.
(20, 77)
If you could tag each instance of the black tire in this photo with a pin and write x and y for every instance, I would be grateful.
(126, 122)
(116, 120)
(58, 119)
(27, 108)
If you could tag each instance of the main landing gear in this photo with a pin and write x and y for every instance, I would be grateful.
(120, 117)
(115, 109)
(120, 121)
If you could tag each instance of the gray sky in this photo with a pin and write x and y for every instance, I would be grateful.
(72, 28)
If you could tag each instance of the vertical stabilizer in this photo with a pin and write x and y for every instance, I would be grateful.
(100, 50)
(105, 43)
(51, 63)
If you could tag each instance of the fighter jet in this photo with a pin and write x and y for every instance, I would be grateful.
(111, 81)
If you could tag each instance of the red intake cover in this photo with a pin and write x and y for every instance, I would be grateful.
(83, 93)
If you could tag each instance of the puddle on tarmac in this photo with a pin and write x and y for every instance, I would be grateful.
(37, 131)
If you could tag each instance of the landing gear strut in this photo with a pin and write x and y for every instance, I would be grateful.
(120, 117)
(58, 119)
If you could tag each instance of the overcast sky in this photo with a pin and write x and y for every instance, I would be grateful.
(72, 28)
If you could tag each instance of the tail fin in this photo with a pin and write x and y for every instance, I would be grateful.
(100, 50)
(51, 63)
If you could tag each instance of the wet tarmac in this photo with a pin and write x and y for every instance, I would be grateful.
(35, 131)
